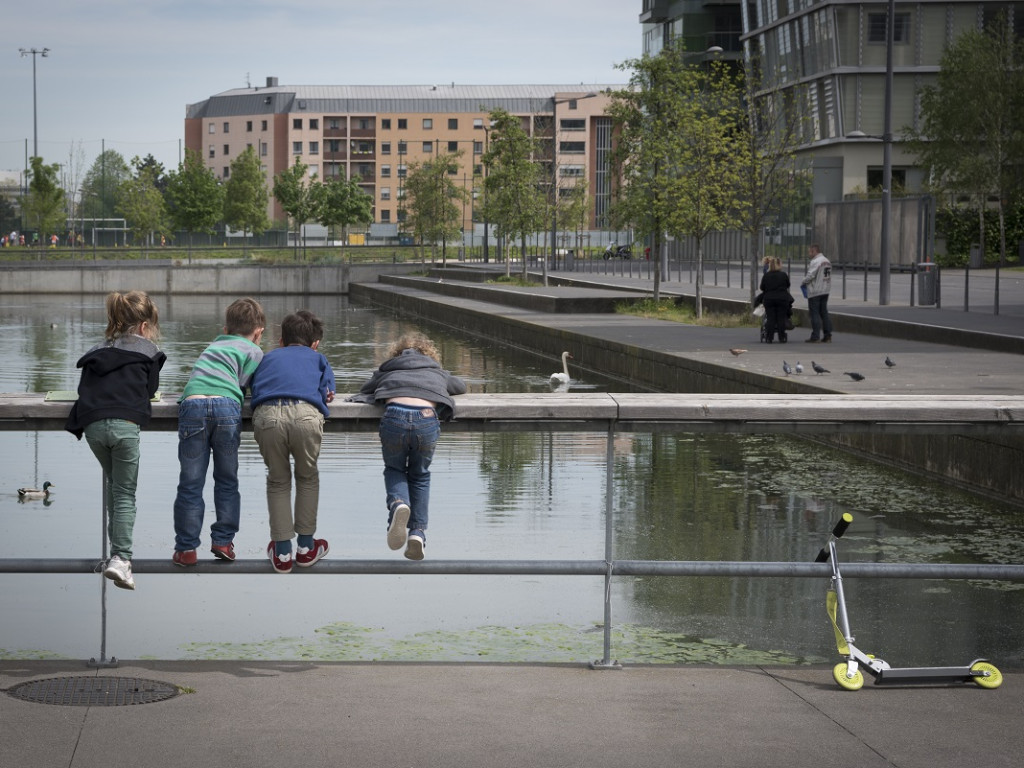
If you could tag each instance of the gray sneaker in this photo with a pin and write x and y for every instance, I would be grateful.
(396, 528)
(119, 571)
(417, 543)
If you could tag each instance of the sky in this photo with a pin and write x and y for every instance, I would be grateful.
(119, 73)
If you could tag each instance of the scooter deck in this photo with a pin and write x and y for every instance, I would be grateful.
(922, 675)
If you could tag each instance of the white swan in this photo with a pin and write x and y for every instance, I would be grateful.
(563, 377)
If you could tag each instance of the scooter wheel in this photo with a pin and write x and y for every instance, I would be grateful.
(854, 683)
(994, 678)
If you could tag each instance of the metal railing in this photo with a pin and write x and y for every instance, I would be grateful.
(612, 414)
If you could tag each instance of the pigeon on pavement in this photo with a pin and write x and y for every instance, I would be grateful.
(786, 369)
(819, 369)
(737, 352)
(799, 367)
(889, 363)
(854, 375)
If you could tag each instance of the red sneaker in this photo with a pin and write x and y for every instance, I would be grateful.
(306, 557)
(224, 551)
(184, 558)
(281, 563)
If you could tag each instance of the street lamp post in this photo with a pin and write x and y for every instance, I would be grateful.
(884, 253)
(33, 52)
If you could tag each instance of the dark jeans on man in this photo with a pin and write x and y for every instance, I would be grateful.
(817, 308)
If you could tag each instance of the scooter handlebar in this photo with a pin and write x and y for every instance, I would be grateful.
(837, 531)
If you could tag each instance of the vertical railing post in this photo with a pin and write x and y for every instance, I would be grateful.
(103, 661)
(609, 533)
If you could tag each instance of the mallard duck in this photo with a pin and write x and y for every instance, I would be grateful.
(36, 493)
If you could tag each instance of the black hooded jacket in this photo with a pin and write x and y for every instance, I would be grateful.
(118, 380)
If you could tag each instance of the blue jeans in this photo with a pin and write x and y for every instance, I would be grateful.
(817, 308)
(207, 426)
(408, 437)
(115, 443)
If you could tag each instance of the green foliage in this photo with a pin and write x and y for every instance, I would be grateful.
(142, 205)
(430, 199)
(960, 227)
(343, 204)
(195, 200)
(246, 196)
(301, 198)
(44, 204)
(101, 183)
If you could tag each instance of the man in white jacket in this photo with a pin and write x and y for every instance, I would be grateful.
(817, 284)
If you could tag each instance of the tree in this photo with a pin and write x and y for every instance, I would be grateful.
(770, 182)
(344, 204)
(573, 208)
(246, 197)
(44, 204)
(142, 205)
(515, 201)
(970, 140)
(102, 180)
(430, 199)
(679, 151)
(157, 171)
(195, 200)
(300, 198)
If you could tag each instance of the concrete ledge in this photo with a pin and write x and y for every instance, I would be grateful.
(534, 298)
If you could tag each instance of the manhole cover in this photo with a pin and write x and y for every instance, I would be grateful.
(93, 691)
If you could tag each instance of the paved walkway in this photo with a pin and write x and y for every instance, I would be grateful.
(496, 716)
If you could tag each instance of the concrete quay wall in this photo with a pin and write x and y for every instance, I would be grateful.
(986, 465)
(197, 279)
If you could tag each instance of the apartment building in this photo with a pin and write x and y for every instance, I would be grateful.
(824, 61)
(375, 134)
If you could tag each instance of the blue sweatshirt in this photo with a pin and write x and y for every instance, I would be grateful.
(295, 373)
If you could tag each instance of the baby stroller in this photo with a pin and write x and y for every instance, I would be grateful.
(760, 313)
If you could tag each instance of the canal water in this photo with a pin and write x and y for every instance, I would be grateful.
(494, 496)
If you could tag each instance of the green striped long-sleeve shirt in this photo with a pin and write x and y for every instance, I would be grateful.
(224, 369)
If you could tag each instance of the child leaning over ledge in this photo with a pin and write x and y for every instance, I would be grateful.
(417, 394)
(290, 392)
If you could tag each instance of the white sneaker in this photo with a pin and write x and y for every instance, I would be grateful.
(417, 543)
(119, 571)
(396, 529)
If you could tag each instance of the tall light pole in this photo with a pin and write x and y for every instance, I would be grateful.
(884, 254)
(33, 52)
(554, 173)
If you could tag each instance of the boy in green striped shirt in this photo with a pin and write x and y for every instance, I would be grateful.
(210, 424)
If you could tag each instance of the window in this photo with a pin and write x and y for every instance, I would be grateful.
(385, 192)
(385, 147)
(227, 150)
(263, 125)
(213, 151)
(401, 172)
(385, 124)
(313, 170)
(297, 123)
(334, 145)
(478, 170)
(478, 147)
(428, 146)
(213, 128)
(362, 147)
(428, 123)
(385, 171)
(226, 172)
(570, 170)
(296, 147)
(263, 149)
(314, 147)
(385, 217)
(453, 147)
(402, 123)
(401, 194)
(402, 148)
(899, 178)
(900, 29)
(314, 124)
(227, 127)
(478, 122)
(334, 123)
(453, 123)
(572, 124)
(453, 170)
(401, 216)
(365, 123)
(572, 147)
(248, 126)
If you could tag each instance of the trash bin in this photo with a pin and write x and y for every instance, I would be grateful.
(975, 261)
(570, 261)
(926, 284)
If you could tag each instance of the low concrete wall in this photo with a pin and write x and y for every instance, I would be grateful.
(165, 277)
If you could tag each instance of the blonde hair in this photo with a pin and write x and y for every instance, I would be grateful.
(127, 311)
(774, 263)
(417, 341)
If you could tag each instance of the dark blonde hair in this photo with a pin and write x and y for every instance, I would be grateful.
(302, 327)
(243, 317)
(127, 311)
(774, 263)
(417, 341)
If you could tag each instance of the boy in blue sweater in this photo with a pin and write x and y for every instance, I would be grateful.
(210, 423)
(290, 392)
